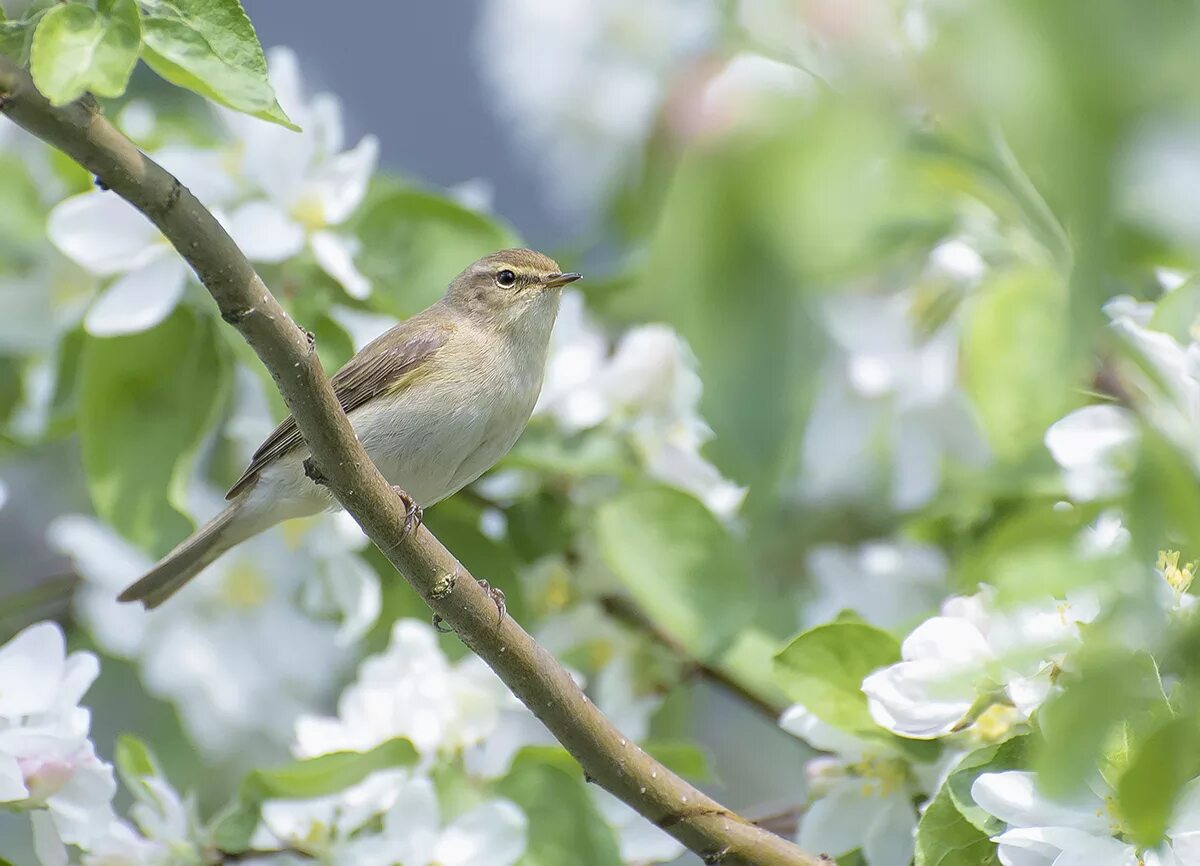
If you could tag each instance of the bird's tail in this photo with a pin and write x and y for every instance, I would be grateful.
(190, 557)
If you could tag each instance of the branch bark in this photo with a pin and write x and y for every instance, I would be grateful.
(533, 674)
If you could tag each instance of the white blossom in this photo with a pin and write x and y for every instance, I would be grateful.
(1093, 446)
(309, 185)
(647, 389)
(970, 652)
(214, 649)
(410, 690)
(48, 766)
(886, 383)
(491, 834)
(106, 236)
(1043, 832)
(862, 794)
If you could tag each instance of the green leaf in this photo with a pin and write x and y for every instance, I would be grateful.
(1014, 351)
(1167, 760)
(146, 402)
(679, 563)
(76, 49)
(414, 243)
(209, 47)
(946, 838)
(302, 780)
(823, 669)
(1177, 311)
(1109, 690)
(1009, 755)
(564, 825)
(134, 761)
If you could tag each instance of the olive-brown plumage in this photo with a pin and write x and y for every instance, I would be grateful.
(435, 401)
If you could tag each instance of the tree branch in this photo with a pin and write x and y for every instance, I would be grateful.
(625, 611)
(542, 684)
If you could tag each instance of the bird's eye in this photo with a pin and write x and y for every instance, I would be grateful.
(506, 279)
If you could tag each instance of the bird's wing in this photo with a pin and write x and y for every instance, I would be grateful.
(380, 365)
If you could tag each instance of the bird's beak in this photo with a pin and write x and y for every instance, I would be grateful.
(554, 281)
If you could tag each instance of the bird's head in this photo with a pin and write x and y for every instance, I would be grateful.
(509, 287)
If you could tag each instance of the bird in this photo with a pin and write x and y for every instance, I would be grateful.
(436, 401)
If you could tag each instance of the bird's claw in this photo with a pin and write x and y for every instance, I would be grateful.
(496, 594)
(438, 624)
(414, 515)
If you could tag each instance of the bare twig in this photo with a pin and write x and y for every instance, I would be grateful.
(534, 675)
(627, 612)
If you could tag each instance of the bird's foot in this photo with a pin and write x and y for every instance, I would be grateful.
(414, 514)
(496, 594)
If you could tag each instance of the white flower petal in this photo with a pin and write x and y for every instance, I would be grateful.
(1012, 797)
(265, 232)
(890, 836)
(140, 299)
(837, 823)
(1088, 437)
(799, 722)
(102, 232)
(31, 668)
(412, 823)
(490, 835)
(341, 182)
(335, 254)
(47, 844)
(12, 780)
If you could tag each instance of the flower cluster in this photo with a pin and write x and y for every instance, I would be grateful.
(48, 765)
(646, 388)
(278, 192)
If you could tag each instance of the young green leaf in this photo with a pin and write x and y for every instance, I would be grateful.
(1009, 755)
(946, 838)
(146, 402)
(210, 47)
(680, 565)
(823, 669)
(1146, 794)
(302, 780)
(76, 49)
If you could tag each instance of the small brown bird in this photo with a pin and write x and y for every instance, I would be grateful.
(436, 401)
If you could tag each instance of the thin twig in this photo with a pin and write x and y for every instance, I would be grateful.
(625, 611)
(532, 673)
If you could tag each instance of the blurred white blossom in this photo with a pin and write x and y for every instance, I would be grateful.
(647, 389)
(1088, 829)
(214, 651)
(888, 404)
(164, 830)
(578, 84)
(48, 766)
(491, 834)
(1094, 448)
(888, 584)
(410, 690)
(861, 792)
(323, 825)
(106, 236)
(972, 652)
(309, 182)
